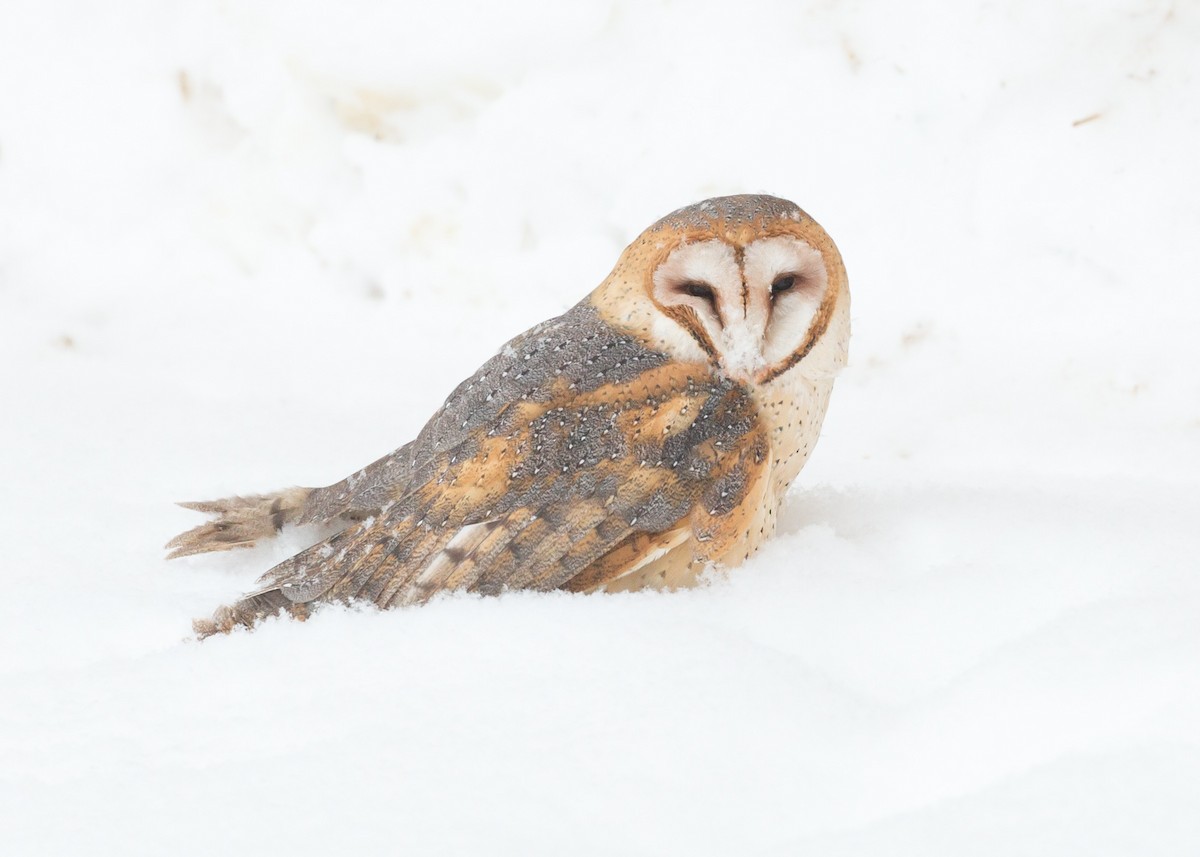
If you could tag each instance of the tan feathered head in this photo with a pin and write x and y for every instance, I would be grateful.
(751, 283)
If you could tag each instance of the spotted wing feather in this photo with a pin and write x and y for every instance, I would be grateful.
(576, 350)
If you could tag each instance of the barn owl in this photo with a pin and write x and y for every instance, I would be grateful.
(648, 433)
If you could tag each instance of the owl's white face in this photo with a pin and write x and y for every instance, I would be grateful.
(751, 308)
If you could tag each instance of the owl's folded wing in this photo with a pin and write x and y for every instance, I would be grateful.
(572, 492)
(575, 352)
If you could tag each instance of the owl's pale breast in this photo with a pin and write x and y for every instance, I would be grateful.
(792, 410)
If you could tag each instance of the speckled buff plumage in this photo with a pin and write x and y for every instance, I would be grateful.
(646, 434)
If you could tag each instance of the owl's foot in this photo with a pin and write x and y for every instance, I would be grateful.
(239, 521)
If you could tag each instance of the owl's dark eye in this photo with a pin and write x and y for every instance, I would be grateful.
(783, 283)
(698, 290)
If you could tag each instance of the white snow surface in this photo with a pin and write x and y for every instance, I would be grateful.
(250, 245)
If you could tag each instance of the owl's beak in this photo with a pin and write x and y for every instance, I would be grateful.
(741, 352)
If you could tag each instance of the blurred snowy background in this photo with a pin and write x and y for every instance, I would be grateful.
(248, 245)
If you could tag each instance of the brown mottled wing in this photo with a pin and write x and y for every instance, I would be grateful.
(569, 485)
(576, 349)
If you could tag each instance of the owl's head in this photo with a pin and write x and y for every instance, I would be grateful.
(749, 283)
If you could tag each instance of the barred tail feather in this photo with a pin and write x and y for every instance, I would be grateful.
(239, 522)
